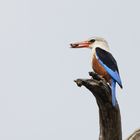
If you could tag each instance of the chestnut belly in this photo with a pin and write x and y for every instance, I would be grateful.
(99, 69)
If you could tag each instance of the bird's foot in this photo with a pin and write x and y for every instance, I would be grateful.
(95, 76)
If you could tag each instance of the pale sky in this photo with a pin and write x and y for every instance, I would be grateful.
(38, 98)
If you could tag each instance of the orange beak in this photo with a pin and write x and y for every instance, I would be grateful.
(84, 44)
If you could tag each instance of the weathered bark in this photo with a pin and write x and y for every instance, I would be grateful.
(135, 135)
(109, 116)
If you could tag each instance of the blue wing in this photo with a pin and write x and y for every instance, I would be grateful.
(109, 63)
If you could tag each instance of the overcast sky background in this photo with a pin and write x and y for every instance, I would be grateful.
(38, 98)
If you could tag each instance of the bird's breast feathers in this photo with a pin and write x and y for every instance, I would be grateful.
(99, 69)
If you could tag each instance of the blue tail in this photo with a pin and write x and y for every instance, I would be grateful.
(113, 88)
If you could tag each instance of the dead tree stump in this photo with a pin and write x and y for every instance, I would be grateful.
(109, 116)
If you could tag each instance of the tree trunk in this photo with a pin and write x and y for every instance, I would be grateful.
(109, 116)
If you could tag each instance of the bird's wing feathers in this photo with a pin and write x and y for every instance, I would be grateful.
(109, 63)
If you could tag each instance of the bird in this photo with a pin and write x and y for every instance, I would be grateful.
(103, 62)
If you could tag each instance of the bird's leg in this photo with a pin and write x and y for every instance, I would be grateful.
(95, 76)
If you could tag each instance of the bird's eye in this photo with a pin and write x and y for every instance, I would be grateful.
(92, 40)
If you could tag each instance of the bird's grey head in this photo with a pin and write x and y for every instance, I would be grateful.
(98, 42)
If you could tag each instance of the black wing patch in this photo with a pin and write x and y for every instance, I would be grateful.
(107, 59)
